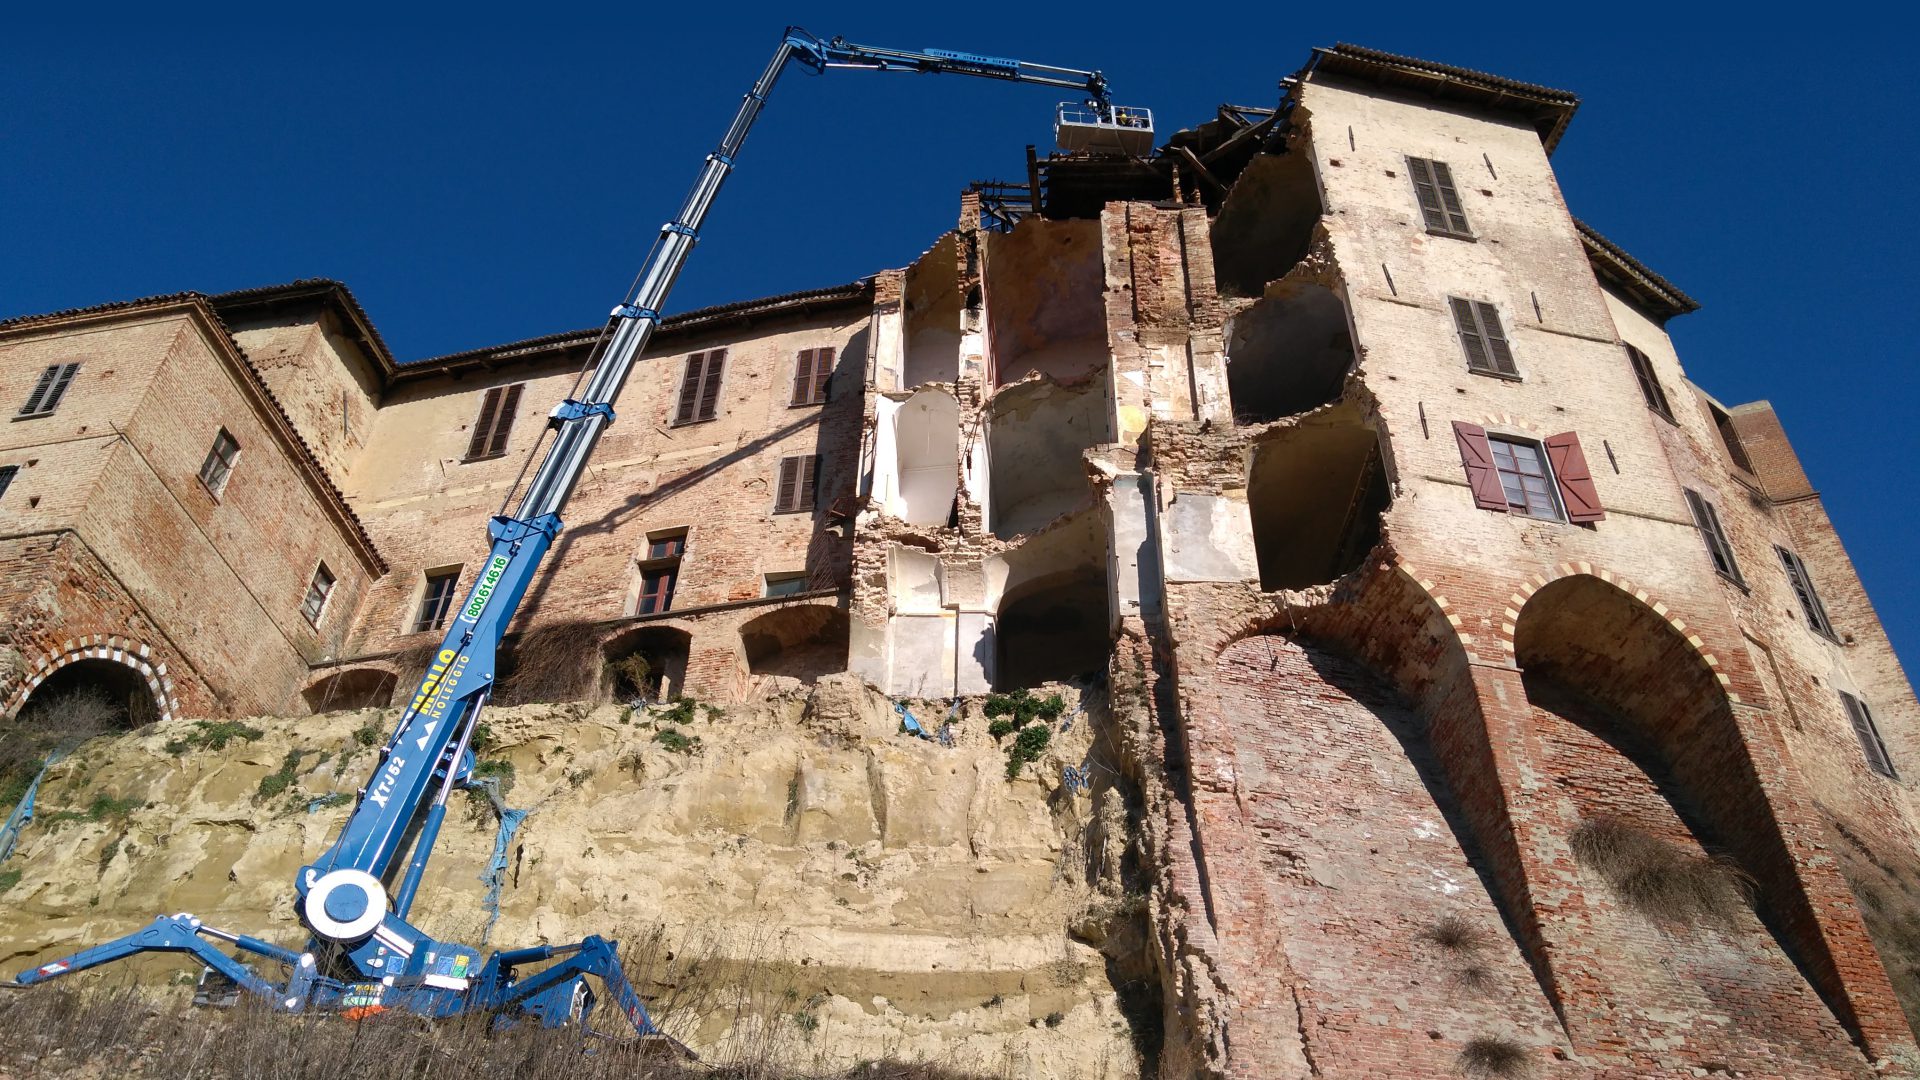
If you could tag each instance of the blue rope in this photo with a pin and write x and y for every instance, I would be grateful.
(23, 813)
(494, 877)
(907, 721)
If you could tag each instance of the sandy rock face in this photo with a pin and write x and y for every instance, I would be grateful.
(904, 898)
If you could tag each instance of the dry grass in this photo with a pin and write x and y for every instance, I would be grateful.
(1660, 879)
(1488, 1058)
(1455, 934)
(57, 722)
(560, 662)
(93, 1028)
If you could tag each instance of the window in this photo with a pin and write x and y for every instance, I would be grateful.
(7, 473)
(1548, 479)
(1871, 744)
(1439, 201)
(1730, 438)
(810, 374)
(1708, 522)
(1802, 582)
(700, 387)
(219, 464)
(1482, 338)
(796, 485)
(1650, 387)
(495, 423)
(786, 584)
(49, 389)
(659, 570)
(436, 600)
(318, 590)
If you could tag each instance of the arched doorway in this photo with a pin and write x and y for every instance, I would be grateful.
(355, 688)
(648, 665)
(1052, 629)
(77, 701)
(802, 642)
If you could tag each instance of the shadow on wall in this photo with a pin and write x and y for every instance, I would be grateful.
(802, 642)
(1266, 224)
(1316, 491)
(1052, 629)
(1288, 353)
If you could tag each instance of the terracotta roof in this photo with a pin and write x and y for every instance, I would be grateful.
(1650, 290)
(1549, 110)
(688, 322)
(316, 474)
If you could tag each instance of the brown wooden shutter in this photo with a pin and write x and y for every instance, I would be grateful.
(1868, 733)
(503, 419)
(822, 372)
(1477, 457)
(803, 378)
(1570, 471)
(789, 484)
(39, 391)
(710, 384)
(1496, 338)
(1427, 192)
(805, 489)
(1466, 322)
(690, 389)
(483, 427)
(1456, 216)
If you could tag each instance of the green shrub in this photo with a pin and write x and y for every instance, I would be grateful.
(1000, 727)
(367, 734)
(212, 735)
(9, 878)
(1027, 746)
(278, 781)
(676, 742)
(1023, 708)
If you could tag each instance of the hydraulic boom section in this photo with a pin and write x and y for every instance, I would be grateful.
(364, 954)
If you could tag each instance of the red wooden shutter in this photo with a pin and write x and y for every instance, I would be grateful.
(710, 386)
(1477, 456)
(1570, 471)
(503, 419)
(789, 484)
(822, 371)
(689, 389)
(483, 427)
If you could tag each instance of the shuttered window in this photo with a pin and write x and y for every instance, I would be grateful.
(1439, 200)
(1802, 583)
(1547, 479)
(1730, 438)
(1480, 335)
(1650, 387)
(1871, 744)
(810, 373)
(700, 387)
(436, 600)
(318, 590)
(495, 422)
(796, 485)
(49, 388)
(219, 464)
(7, 473)
(1707, 519)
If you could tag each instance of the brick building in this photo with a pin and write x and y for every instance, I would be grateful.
(1438, 610)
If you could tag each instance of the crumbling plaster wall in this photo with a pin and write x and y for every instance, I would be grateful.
(327, 386)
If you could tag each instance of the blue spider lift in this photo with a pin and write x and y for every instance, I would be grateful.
(363, 954)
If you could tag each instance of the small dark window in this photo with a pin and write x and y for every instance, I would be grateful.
(219, 464)
(796, 485)
(49, 389)
(810, 373)
(1480, 335)
(700, 387)
(1650, 387)
(495, 422)
(7, 473)
(1708, 521)
(786, 584)
(318, 590)
(1802, 582)
(436, 600)
(1439, 201)
(660, 571)
(1525, 478)
(1871, 744)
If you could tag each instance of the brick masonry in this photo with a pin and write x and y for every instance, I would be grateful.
(1328, 774)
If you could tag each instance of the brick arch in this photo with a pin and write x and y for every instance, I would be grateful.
(1517, 602)
(128, 652)
(1635, 721)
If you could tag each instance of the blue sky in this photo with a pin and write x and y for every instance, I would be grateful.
(486, 177)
